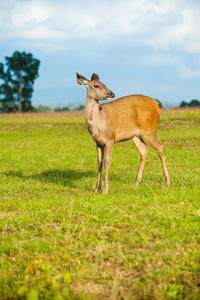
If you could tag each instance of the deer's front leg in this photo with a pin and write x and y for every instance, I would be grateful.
(100, 157)
(109, 149)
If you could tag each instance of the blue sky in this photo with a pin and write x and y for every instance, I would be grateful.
(150, 47)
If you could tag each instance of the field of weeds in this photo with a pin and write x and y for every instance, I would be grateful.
(61, 240)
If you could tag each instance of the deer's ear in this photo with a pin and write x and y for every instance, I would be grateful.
(81, 79)
(94, 76)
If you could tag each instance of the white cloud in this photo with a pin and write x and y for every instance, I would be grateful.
(187, 73)
(159, 59)
(183, 34)
(160, 24)
(29, 12)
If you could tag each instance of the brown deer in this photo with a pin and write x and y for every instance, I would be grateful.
(126, 118)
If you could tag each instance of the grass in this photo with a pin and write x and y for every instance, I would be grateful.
(61, 240)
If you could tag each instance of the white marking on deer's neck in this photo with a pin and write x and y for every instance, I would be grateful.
(92, 116)
(92, 111)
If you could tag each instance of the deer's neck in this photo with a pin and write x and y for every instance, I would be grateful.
(92, 117)
(92, 112)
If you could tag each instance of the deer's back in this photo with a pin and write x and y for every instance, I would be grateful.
(129, 114)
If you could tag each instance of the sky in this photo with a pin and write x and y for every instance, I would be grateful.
(149, 47)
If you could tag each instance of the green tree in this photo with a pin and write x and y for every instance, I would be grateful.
(194, 102)
(183, 104)
(159, 103)
(19, 77)
(6, 91)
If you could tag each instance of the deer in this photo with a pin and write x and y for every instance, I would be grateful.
(132, 117)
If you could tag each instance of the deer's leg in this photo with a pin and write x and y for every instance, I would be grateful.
(151, 137)
(144, 150)
(100, 157)
(109, 149)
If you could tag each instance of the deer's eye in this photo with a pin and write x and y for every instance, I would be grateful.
(96, 86)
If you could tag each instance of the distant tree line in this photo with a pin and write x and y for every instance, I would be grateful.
(78, 107)
(192, 103)
(45, 108)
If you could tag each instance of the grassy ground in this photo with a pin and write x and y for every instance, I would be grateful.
(61, 240)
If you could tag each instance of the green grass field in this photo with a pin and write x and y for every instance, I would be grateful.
(61, 240)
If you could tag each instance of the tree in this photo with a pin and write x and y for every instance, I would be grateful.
(192, 103)
(19, 77)
(7, 99)
(183, 104)
(159, 103)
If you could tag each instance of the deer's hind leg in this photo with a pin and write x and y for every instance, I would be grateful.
(151, 137)
(144, 150)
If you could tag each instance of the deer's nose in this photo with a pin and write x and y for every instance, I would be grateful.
(111, 95)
